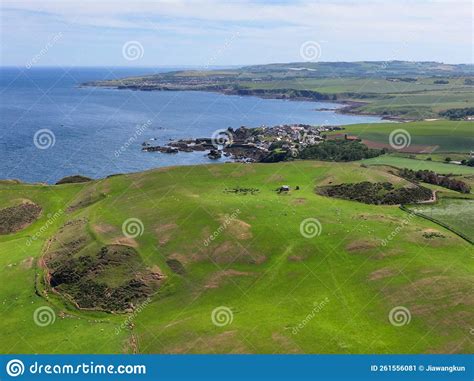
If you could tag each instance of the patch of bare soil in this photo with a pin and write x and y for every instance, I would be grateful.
(286, 344)
(180, 257)
(125, 241)
(176, 266)
(18, 217)
(237, 228)
(164, 233)
(361, 245)
(104, 228)
(296, 258)
(230, 252)
(382, 273)
(328, 180)
(112, 233)
(27, 263)
(299, 201)
(386, 252)
(226, 252)
(219, 277)
(131, 345)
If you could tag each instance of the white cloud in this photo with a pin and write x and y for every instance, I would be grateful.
(386, 26)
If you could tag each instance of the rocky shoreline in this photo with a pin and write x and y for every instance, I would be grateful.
(261, 144)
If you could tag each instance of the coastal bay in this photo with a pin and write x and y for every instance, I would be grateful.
(83, 119)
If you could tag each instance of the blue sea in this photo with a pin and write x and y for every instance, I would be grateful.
(50, 127)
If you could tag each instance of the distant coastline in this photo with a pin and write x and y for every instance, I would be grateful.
(97, 132)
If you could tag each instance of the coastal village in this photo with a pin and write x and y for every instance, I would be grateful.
(249, 144)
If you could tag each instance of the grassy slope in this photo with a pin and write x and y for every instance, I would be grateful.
(418, 164)
(180, 207)
(450, 136)
(418, 100)
(456, 213)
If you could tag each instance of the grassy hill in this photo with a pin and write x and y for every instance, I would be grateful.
(437, 136)
(278, 290)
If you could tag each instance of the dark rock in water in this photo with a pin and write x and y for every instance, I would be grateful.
(169, 150)
(160, 149)
(214, 154)
(74, 179)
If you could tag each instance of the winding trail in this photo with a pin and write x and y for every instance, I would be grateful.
(431, 200)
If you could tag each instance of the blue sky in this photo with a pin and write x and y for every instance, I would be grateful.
(214, 33)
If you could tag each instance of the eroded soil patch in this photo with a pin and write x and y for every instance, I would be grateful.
(18, 217)
(111, 277)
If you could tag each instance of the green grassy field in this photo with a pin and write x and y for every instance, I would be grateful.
(282, 291)
(418, 164)
(458, 214)
(417, 100)
(444, 136)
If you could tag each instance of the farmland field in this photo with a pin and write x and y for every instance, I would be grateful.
(418, 164)
(442, 135)
(458, 214)
(262, 267)
(400, 90)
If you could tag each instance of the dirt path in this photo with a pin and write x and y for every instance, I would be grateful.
(431, 200)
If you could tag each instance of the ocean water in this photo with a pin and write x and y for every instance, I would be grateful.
(97, 132)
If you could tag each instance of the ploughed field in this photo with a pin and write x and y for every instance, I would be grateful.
(219, 259)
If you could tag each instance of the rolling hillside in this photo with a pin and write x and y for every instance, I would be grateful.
(213, 259)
